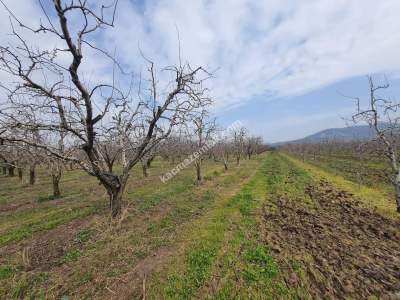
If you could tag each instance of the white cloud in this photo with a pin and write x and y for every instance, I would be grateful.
(285, 47)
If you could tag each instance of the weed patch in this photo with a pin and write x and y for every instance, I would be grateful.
(6, 272)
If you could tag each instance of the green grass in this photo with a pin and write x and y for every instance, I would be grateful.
(150, 196)
(6, 272)
(213, 230)
(51, 222)
(44, 198)
(157, 214)
(213, 244)
(260, 265)
(72, 255)
(255, 273)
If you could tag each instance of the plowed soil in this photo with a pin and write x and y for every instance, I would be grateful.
(346, 251)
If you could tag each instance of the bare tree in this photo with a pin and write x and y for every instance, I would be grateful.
(203, 130)
(224, 149)
(238, 143)
(4, 166)
(146, 161)
(12, 158)
(176, 146)
(33, 153)
(50, 95)
(55, 165)
(382, 115)
(8, 156)
(252, 145)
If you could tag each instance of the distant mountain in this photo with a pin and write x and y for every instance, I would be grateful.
(342, 134)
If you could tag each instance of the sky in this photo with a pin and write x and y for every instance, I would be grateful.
(282, 67)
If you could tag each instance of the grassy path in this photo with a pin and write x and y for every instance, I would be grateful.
(225, 257)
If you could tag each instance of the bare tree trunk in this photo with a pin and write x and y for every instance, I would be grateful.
(110, 166)
(149, 161)
(20, 173)
(397, 186)
(123, 153)
(56, 184)
(4, 167)
(238, 160)
(11, 169)
(32, 175)
(144, 169)
(198, 170)
(197, 165)
(225, 164)
(116, 203)
(115, 187)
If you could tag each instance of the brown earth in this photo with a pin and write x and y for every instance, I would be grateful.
(15, 207)
(43, 251)
(347, 251)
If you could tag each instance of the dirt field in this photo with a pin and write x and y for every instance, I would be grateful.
(348, 251)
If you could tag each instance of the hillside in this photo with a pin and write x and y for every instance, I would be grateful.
(343, 134)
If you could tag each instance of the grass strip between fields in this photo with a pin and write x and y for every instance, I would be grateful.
(226, 258)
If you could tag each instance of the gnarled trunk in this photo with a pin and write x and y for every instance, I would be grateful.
(115, 187)
(116, 202)
(115, 193)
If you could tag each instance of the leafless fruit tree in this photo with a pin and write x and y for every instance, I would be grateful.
(203, 130)
(223, 150)
(239, 136)
(252, 145)
(147, 159)
(382, 115)
(49, 95)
